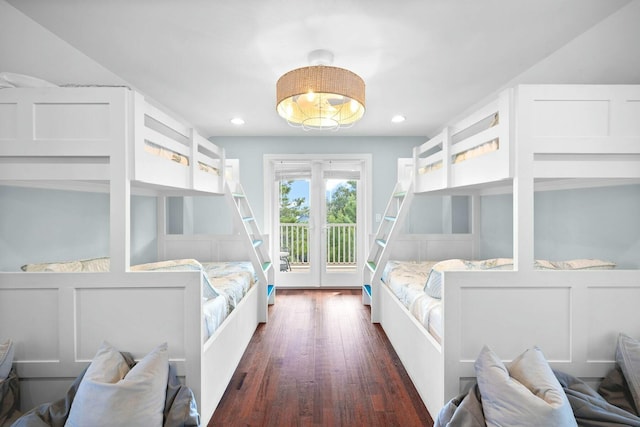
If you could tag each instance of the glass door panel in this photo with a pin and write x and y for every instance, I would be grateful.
(317, 222)
(295, 209)
(340, 229)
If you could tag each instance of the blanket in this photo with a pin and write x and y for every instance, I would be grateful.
(9, 399)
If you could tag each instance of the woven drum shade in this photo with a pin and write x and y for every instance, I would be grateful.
(320, 97)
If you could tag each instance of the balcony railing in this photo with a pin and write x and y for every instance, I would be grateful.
(341, 243)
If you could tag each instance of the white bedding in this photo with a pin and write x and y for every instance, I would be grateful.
(407, 279)
(215, 311)
(232, 279)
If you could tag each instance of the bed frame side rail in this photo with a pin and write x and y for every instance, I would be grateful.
(58, 320)
(573, 316)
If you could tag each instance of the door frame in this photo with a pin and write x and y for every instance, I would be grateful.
(364, 214)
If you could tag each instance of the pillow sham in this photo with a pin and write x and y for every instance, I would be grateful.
(208, 290)
(524, 393)
(543, 264)
(585, 264)
(96, 264)
(433, 287)
(495, 264)
(6, 359)
(57, 267)
(175, 264)
(112, 395)
(90, 265)
(628, 358)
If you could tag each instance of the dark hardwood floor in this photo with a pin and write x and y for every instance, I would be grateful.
(319, 361)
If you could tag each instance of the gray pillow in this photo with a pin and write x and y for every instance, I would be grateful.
(628, 358)
(525, 393)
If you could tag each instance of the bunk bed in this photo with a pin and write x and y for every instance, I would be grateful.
(114, 140)
(529, 138)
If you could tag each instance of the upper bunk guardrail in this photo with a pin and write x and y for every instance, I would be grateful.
(173, 154)
(77, 133)
(566, 134)
(474, 150)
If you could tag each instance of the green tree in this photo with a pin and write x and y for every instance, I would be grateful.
(291, 211)
(341, 209)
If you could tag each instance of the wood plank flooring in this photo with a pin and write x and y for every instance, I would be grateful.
(319, 361)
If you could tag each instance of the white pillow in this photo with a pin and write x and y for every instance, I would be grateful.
(208, 290)
(57, 267)
(6, 359)
(433, 287)
(112, 395)
(628, 358)
(526, 393)
(585, 264)
(96, 264)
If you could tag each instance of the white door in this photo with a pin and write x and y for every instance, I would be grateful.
(317, 220)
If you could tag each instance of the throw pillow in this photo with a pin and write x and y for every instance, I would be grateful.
(112, 395)
(433, 287)
(525, 392)
(628, 358)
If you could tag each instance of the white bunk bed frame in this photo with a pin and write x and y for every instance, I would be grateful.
(559, 136)
(93, 138)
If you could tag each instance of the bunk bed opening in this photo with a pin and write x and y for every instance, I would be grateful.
(109, 158)
(551, 255)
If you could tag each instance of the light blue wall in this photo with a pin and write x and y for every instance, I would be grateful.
(384, 150)
(496, 226)
(144, 220)
(199, 215)
(439, 214)
(583, 223)
(39, 225)
(589, 223)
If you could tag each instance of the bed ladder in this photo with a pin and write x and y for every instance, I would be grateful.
(259, 248)
(390, 225)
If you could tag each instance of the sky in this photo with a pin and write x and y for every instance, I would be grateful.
(300, 188)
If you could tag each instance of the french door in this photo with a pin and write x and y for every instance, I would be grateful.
(318, 210)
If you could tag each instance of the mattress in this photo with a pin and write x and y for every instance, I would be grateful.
(165, 153)
(232, 279)
(215, 310)
(487, 147)
(406, 280)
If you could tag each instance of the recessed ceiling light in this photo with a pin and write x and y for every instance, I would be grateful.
(398, 119)
(237, 121)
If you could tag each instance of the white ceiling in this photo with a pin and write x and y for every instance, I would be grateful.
(212, 60)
